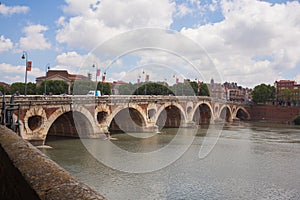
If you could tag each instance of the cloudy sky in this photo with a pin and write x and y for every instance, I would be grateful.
(244, 41)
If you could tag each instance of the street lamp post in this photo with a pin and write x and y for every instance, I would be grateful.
(97, 72)
(175, 85)
(138, 84)
(25, 56)
(103, 80)
(47, 67)
(145, 91)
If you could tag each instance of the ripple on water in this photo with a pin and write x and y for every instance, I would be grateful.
(247, 162)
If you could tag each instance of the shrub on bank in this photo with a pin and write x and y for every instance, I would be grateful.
(297, 120)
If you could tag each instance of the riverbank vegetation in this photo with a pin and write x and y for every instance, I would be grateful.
(297, 120)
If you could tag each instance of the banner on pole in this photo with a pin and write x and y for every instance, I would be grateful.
(28, 66)
(98, 72)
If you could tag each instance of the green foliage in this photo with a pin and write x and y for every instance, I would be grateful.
(82, 87)
(54, 87)
(31, 88)
(297, 120)
(204, 91)
(16, 87)
(2, 89)
(161, 88)
(183, 89)
(190, 89)
(40, 88)
(105, 87)
(263, 93)
(126, 89)
(152, 88)
(285, 95)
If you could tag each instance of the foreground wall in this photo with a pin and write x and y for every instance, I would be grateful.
(26, 173)
(274, 113)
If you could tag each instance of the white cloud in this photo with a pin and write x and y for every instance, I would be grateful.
(255, 42)
(11, 10)
(183, 10)
(70, 58)
(5, 44)
(12, 73)
(297, 78)
(79, 64)
(34, 38)
(92, 24)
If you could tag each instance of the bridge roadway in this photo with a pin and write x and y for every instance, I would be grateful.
(90, 117)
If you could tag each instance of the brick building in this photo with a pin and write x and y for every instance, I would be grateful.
(235, 92)
(61, 75)
(229, 91)
(287, 92)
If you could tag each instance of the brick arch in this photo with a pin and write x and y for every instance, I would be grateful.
(224, 107)
(203, 103)
(243, 109)
(113, 123)
(120, 108)
(165, 105)
(65, 109)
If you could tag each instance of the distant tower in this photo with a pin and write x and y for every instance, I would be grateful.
(89, 76)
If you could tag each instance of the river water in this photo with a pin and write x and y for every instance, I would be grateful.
(248, 161)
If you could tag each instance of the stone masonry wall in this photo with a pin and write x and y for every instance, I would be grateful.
(26, 173)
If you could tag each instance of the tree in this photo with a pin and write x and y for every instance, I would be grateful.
(204, 91)
(263, 93)
(82, 87)
(105, 87)
(2, 89)
(184, 89)
(31, 88)
(297, 120)
(285, 96)
(53, 87)
(152, 88)
(127, 89)
(17, 87)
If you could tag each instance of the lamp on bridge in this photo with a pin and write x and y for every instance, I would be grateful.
(47, 67)
(98, 72)
(27, 68)
(103, 81)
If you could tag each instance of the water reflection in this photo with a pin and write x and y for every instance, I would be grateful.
(249, 161)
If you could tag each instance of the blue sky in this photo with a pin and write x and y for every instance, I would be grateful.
(247, 41)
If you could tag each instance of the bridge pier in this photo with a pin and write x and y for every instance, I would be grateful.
(189, 124)
(151, 128)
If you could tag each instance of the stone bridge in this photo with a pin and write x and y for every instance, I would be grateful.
(92, 116)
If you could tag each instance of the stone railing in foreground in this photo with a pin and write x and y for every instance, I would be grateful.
(26, 173)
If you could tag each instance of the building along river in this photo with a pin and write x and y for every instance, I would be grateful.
(248, 161)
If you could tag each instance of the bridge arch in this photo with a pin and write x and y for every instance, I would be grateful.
(225, 113)
(241, 113)
(165, 115)
(202, 113)
(129, 118)
(67, 113)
